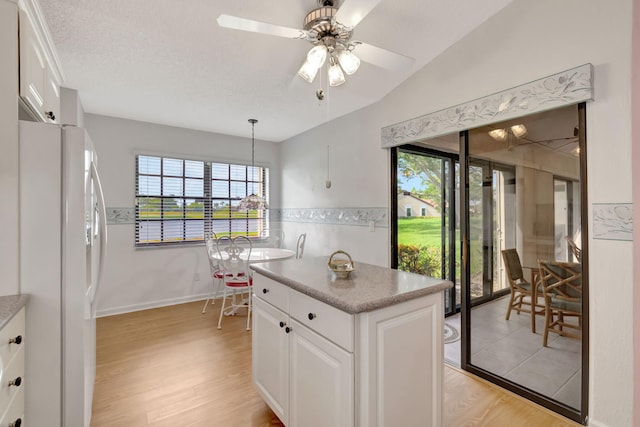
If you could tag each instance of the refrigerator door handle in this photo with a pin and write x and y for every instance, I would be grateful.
(103, 224)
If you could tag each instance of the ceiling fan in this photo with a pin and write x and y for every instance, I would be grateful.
(329, 29)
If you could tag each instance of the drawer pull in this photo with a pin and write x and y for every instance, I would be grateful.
(16, 423)
(311, 316)
(15, 382)
(16, 340)
(265, 290)
(282, 324)
(287, 329)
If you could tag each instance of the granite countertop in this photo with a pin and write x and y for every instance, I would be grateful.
(9, 306)
(368, 288)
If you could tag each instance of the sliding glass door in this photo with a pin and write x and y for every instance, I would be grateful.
(522, 219)
(490, 207)
(426, 217)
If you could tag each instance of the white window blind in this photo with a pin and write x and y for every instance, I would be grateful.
(181, 201)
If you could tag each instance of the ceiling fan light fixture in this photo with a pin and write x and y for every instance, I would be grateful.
(317, 55)
(336, 76)
(308, 71)
(348, 61)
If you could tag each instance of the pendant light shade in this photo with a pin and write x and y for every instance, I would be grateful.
(253, 202)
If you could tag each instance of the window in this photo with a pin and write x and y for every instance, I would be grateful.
(181, 201)
(423, 211)
(408, 210)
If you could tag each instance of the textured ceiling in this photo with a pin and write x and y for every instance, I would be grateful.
(169, 62)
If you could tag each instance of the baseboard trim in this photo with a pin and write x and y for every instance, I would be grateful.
(149, 305)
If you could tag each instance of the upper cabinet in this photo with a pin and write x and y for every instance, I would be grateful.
(40, 73)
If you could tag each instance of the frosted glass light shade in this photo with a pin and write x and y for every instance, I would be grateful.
(519, 130)
(317, 55)
(336, 76)
(498, 134)
(253, 203)
(308, 71)
(349, 62)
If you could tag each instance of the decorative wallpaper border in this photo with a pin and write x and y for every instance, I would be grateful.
(559, 90)
(342, 216)
(613, 221)
(116, 216)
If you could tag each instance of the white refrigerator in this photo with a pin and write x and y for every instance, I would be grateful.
(62, 252)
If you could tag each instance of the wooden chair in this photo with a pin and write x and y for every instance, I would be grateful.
(575, 250)
(562, 291)
(520, 289)
(235, 274)
(300, 245)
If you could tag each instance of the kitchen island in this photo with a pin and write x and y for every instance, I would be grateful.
(362, 351)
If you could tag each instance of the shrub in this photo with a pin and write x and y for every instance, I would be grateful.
(425, 260)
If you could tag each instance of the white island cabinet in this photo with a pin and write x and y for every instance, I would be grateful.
(363, 351)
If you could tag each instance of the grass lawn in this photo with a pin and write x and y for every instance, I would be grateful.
(420, 231)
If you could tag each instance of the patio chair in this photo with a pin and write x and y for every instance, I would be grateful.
(234, 256)
(562, 291)
(274, 238)
(575, 250)
(300, 245)
(214, 268)
(520, 289)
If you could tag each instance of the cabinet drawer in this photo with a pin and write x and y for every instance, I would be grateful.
(10, 372)
(328, 321)
(15, 410)
(271, 291)
(14, 329)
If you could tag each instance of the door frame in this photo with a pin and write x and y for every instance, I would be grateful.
(449, 214)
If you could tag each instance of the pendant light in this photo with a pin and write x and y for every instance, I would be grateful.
(253, 202)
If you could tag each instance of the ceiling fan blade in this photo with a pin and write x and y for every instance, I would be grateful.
(382, 57)
(233, 22)
(351, 12)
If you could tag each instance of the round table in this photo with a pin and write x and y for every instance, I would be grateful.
(265, 254)
(269, 254)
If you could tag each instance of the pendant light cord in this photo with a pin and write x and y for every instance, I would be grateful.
(253, 141)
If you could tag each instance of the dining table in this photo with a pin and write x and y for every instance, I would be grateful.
(264, 254)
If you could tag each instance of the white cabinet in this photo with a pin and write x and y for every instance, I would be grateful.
(316, 365)
(321, 381)
(271, 368)
(306, 379)
(39, 77)
(12, 360)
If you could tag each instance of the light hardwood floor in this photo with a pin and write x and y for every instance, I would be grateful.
(170, 366)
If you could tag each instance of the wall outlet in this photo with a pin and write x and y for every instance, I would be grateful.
(196, 277)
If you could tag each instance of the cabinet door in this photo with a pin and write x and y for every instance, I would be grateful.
(322, 381)
(400, 380)
(270, 356)
(32, 66)
(51, 96)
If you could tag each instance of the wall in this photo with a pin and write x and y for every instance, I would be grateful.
(135, 279)
(9, 261)
(339, 217)
(635, 125)
(524, 42)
